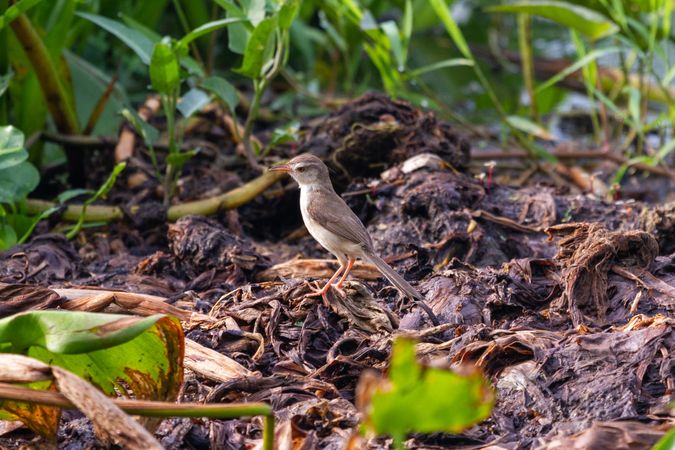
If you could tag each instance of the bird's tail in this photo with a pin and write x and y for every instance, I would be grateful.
(393, 276)
(402, 285)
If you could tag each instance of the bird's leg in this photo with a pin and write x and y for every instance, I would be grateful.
(350, 263)
(324, 291)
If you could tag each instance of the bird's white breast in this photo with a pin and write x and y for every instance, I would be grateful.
(326, 238)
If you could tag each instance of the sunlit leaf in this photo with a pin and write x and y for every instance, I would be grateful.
(577, 17)
(256, 53)
(451, 26)
(390, 29)
(164, 69)
(454, 62)
(424, 400)
(149, 133)
(179, 159)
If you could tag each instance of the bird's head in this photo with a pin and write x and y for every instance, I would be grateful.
(306, 169)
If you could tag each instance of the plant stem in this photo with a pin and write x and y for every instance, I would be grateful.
(147, 408)
(55, 94)
(229, 200)
(268, 432)
(258, 90)
(525, 46)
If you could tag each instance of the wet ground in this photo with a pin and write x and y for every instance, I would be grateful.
(565, 300)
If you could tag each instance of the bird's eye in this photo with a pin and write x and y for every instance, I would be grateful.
(300, 169)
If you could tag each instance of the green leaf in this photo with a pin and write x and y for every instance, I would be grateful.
(18, 181)
(109, 182)
(7, 236)
(529, 127)
(287, 13)
(578, 64)
(42, 216)
(223, 89)
(4, 82)
(206, 29)
(667, 442)
(118, 354)
(451, 26)
(194, 100)
(15, 11)
(664, 151)
(255, 11)
(70, 194)
(149, 133)
(256, 53)
(453, 62)
(134, 39)
(179, 159)
(390, 29)
(425, 400)
(11, 147)
(164, 69)
(592, 24)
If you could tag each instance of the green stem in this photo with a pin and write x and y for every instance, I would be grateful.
(229, 200)
(268, 432)
(258, 90)
(525, 46)
(148, 408)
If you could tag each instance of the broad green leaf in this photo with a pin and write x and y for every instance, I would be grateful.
(578, 64)
(238, 33)
(194, 100)
(18, 181)
(577, 17)
(667, 442)
(7, 236)
(118, 354)
(256, 52)
(134, 39)
(223, 89)
(529, 127)
(288, 12)
(231, 7)
(11, 147)
(164, 69)
(15, 11)
(289, 133)
(425, 400)
(206, 29)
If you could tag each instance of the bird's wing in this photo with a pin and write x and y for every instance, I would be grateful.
(337, 218)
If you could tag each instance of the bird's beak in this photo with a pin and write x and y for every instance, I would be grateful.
(280, 168)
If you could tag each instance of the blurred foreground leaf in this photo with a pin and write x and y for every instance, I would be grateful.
(116, 353)
(591, 23)
(424, 400)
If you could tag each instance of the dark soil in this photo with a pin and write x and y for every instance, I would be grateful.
(565, 301)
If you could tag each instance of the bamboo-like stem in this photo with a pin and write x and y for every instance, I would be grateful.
(268, 433)
(229, 200)
(147, 408)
